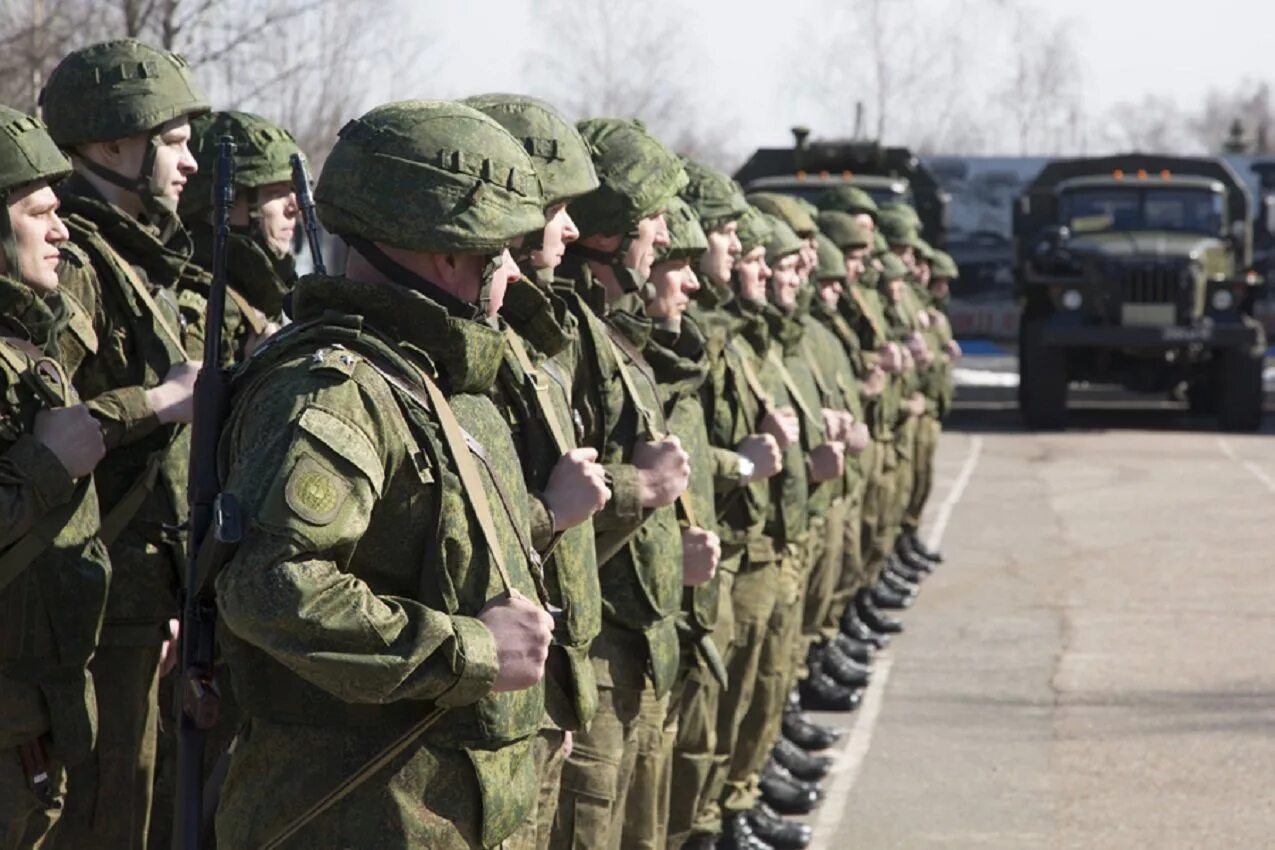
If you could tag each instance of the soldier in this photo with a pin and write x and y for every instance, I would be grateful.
(260, 264)
(745, 456)
(380, 624)
(639, 543)
(567, 484)
(122, 109)
(54, 571)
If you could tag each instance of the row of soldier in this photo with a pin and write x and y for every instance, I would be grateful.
(561, 502)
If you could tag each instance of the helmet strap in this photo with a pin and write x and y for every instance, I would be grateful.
(408, 279)
(160, 209)
(628, 279)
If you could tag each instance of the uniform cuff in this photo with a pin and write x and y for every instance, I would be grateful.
(626, 495)
(52, 484)
(475, 663)
(541, 519)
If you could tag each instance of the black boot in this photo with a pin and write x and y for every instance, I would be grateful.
(899, 584)
(914, 541)
(860, 651)
(787, 794)
(800, 763)
(843, 670)
(872, 618)
(807, 734)
(701, 841)
(889, 600)
(895, 567)
(770, 826)
(911, 559)
(737, 834)
(853, 625)
(819, 692)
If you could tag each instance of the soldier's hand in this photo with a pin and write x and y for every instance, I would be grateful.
(916, 405)
(919, 350)
(953, 349)
(577, 488)
(73, 435)
(891, 358)
(664, 471)
(857, 439)
(827, 462)
(782, 424)
(874, 384)
(763, 451)
(522, 631)
(701, 553)
(174, 399)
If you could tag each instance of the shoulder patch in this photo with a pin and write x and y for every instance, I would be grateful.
(314, 492)
(346, 441)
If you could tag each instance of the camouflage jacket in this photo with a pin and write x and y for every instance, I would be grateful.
(862, 309)
(642, 577)
(830, 366)
(547, 334)
(260, 281)
(50, 610)
(351, 605)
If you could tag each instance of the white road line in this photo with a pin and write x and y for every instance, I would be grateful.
(845, 772)
(1254, 470)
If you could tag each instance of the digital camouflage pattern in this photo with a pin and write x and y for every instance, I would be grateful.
(115, 89)
(484, 189)
(714, 197)
(847, 198)
(638, 177)
(788, 209)
(844, 231)
(686, 237)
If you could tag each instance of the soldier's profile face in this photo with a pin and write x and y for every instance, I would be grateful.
(723, 248)
(652, 232)
(37, 231)
(277, 206)
(854, 263)
(560, 231)
(753, 274)
(785, 281)
(866, 221)
(940, 286)
(674, 281)
(173, 160)
(830, 292)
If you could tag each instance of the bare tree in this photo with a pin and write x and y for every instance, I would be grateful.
(1252, 104)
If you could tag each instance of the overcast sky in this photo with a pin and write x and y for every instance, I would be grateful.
(744, 52)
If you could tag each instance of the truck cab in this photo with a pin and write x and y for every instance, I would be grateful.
(1137, 270)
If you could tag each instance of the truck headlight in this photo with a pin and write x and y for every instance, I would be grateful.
(1222, 300)
(1072, 299)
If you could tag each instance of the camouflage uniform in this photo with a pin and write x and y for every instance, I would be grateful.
(351, 605)
(538, 405)
(635, 656)
(54, 572)
(134, 280)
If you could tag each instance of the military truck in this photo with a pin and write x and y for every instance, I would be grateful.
(1137, 270)
(885, 173)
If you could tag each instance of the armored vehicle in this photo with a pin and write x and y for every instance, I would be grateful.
(1137, 270)
(887, 174)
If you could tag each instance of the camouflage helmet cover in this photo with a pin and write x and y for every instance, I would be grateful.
(924, 250)
(943, 266)
(849, 199)
(263, 152)
(638, 176)
(686, 236)
(897, 228)
(832, 263)
(27, 153)
(904, 210)
(429, 176)
(715, 197)
(116, 89)
(879, 246)
(844, 230)
(754, 230)
(787, 208)
(782, 240)
(892, 268)
(561, 157)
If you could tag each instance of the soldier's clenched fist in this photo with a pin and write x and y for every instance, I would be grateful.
(701, 552)
(521, 630)
(664, 470)
(782, 424)
(764, 453)
(827, 462)
(73, 435)
(577, 488)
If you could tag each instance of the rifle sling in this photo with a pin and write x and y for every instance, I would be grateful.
(750, 378)
(540, 392)
(816, 422)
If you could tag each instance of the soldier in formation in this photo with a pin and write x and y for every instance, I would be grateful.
(562, 500)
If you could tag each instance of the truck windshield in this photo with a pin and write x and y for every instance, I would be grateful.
(1089, 210)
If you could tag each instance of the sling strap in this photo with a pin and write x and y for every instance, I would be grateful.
(812, 362)
(540, 392)
(750, 377)
(816, 422)
(857, 297)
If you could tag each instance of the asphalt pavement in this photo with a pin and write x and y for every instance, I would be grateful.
(1092, 667)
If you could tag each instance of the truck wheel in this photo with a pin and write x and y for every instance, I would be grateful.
(1241, 393)
(1042, 386)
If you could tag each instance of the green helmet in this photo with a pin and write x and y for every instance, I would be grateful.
(879, 246)
(782, 240)
(832, 263)
(263, 152)
(904, 210)
(754, 230)
(686, 237)
(27, 156)
(788, 208)
(847, 199)
(429, 176)
(638, 174)
(892, 268)
(116, 89)
(943, 266)
(924, 250)
(561, 157)
(716, 198)
(844, 230)
(897, 228)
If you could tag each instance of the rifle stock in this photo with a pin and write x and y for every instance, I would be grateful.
(214, 530)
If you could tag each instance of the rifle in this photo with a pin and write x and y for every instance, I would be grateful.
(305, 200)
(215, 528)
